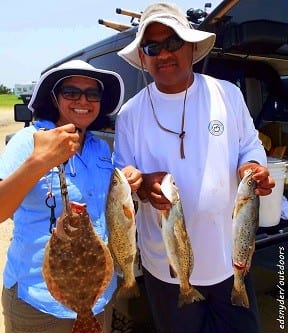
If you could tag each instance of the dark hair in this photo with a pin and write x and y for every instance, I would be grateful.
(48, 111)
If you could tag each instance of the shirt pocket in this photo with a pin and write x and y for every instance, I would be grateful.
(103, 169)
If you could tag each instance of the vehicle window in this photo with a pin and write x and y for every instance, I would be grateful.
(132, 77)
(275, 100)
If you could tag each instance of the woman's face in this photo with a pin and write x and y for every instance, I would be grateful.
(79, 112)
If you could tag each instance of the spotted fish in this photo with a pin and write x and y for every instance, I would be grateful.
(245, 225)
(77, 265)
(177, 243)
(120, 216)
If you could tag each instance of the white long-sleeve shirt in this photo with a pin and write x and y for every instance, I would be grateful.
(219, 137)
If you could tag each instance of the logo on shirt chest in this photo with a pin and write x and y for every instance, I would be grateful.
(215, 127)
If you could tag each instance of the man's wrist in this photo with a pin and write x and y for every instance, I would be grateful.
(142, 194)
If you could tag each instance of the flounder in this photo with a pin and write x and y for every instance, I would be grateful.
(77, 265)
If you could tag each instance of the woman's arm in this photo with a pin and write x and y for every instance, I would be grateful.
(51, 148)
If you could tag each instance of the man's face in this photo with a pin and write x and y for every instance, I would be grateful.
(170, 69)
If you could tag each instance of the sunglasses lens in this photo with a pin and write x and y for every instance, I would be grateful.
(174, 43)
(74, 93)
(93, 95)
(171, 44)
(152, 49)
(70, 93)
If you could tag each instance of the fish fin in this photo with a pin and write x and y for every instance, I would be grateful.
(127, 291)
(192, 296)
(240, 204)
(240, 266)
(128, 212)
(249, 259)
(166, 213)
(173, 272)
(159, 218)
(86, 324)
(162, 214)
(240, 297)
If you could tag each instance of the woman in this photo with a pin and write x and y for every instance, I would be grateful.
(67, 101)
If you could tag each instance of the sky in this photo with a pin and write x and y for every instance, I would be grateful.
(34, 34)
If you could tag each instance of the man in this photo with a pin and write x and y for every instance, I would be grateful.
(198, 129)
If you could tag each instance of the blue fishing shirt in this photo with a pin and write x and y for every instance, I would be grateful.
(88, 176)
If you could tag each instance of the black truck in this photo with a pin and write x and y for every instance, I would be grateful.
(251, 50)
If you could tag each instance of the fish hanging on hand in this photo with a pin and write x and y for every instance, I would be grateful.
(77, 265)
(245, 224)
(120, 216)
(177, 243)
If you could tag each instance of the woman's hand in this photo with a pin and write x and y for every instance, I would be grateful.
(265, 182)
(51, 148)
(55, 146)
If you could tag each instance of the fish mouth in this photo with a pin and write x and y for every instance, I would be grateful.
(169, 189)
(71, 225)
(77, 207)
(119, 176)
(71, 228)
(73, 222)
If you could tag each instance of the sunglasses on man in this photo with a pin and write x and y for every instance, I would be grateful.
(170, 44)
(74, 93)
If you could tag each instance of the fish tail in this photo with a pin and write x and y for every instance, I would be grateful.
(239, 297)
(193, 295)
(128, 290)
(86, 324)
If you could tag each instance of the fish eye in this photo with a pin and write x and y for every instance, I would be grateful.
(250, 182)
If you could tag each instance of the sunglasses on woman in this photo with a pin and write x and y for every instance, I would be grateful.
(170, 44)
(74, 93)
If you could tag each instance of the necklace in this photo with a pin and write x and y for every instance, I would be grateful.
(181, 134)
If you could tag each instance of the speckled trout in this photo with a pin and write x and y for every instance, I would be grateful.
(120, 216)
(177, 243)
(245, 225)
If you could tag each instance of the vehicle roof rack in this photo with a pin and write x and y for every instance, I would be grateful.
(194, 15)
(128, 13)
(119, 26)
(114, 25)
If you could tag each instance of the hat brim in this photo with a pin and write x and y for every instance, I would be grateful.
(204, 40)
(113, 87)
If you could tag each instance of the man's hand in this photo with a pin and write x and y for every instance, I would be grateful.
(150, 190)
(265, 182)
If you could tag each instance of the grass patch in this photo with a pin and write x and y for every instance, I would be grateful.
(8, 100)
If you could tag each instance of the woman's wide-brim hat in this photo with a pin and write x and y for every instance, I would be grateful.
(171, 16)
(112, 82)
